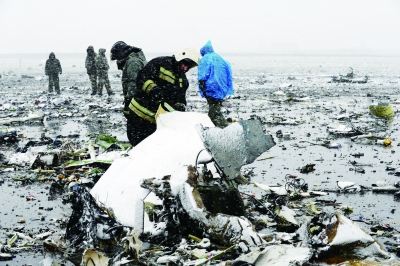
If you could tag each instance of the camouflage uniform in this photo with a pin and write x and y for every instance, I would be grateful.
(134, 63)
(90, 65)
(52, 69)
(215, 114)
(130, 60)
(102, 72)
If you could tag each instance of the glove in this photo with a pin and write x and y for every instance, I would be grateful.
(180, 107)
(126, 109)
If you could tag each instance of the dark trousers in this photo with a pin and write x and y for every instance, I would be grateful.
(137, 129)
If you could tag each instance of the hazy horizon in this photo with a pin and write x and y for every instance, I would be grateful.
(288, 53)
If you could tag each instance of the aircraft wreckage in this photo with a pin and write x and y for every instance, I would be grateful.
(192, 169)
(180, 183)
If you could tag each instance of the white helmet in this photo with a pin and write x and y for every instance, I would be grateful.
(188, 53)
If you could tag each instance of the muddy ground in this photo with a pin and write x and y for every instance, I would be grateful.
(256, 81)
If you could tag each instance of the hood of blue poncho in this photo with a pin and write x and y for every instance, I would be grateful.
(216, 72)
(207, 48)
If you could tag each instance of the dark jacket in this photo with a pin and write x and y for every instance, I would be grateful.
(90, 62)
(160, 81)
(53, 66)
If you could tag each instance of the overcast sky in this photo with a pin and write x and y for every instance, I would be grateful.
(263, 26)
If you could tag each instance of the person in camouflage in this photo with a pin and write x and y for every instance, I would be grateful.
(130, 60)
(90, 65)
(52, 69)
(102, 72)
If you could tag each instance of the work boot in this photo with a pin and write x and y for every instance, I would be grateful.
(93, 93)
(110, 93)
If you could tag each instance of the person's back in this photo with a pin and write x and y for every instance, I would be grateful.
(101, 62)
(216, 72)
(134, 63)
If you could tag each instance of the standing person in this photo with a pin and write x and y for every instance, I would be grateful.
(90, 65)
(161, 82)
(52, 69)
(215, 82)
(102, 72)
(130, 60)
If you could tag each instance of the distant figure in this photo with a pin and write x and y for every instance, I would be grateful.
(52, 69)
(102, 72)
(215, 82)
(161, 82)
(90, 65)
(130, 60)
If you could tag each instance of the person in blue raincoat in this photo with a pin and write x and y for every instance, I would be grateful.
(215, 82)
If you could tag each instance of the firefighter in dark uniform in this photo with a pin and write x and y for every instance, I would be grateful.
(161, 82)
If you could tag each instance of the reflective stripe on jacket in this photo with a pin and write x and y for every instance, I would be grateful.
(159, 81)
(165, 75)
(141, 111)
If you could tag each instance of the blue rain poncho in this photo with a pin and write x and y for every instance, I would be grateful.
(216, 72)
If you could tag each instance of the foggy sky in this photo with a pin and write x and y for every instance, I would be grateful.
(233, 26)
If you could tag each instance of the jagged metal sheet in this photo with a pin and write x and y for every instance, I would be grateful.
(236, 145)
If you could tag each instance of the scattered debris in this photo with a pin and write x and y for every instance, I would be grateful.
(182, 197)
(349, 78)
